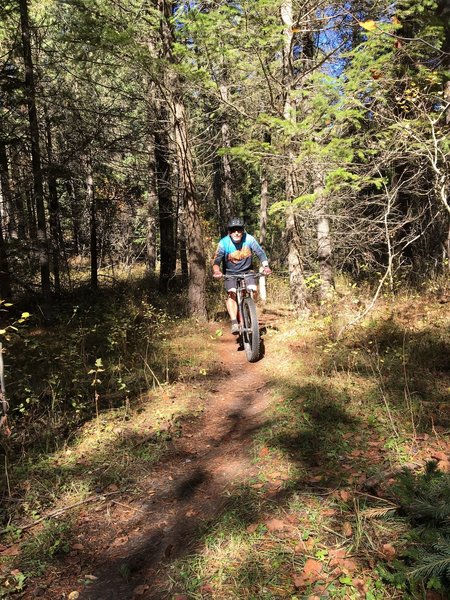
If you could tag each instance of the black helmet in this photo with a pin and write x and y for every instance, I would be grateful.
(235, 222)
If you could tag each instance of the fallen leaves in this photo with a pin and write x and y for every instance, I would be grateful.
(119, 541)
(345, 495)
(275, 525)
(389, 551)
(310, 574)
(77, 547)
(13, 550)
(347, 529)
(369, 25)
(140, 590)
(438, 455)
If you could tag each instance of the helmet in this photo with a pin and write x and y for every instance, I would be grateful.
(235, 222)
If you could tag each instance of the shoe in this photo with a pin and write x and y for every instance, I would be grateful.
(234, 328)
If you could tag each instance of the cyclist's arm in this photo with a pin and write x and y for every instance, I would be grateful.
(256, 248)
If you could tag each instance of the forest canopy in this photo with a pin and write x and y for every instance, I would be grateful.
(131, 131)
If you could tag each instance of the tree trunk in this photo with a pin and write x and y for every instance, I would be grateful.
(172, 92)
(152, 207)
(53, 209)
(31, 216)
(8, 217)
(5, 279)
(182, 243)
(227, 205)
(263, 206)
(90, 193)
(5, 196)
(295, 258)
(324, 248)
(264, 179)
(196, 254)
(19, 192)
(443, 11)
(166, 204)
(35, 153)
(75, 216)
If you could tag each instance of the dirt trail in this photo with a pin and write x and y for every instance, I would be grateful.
(134, 544)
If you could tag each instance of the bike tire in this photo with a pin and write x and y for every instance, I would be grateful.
(251, 337)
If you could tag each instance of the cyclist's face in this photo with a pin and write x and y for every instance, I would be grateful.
(236, 234)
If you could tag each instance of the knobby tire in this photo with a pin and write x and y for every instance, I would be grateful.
(251, 337)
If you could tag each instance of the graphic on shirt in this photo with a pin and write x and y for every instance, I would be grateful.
(239, 255)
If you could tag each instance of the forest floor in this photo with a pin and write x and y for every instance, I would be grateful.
(251, 481)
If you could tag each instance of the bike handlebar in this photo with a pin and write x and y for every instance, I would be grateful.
(243, 276)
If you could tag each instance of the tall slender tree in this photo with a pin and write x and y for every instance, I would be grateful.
(38, 182)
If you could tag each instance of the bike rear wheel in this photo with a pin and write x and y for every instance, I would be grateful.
(250, 334)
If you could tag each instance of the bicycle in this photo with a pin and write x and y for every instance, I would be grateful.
(249, 335)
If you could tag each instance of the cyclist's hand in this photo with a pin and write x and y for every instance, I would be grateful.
(267, 271)
(217, 274)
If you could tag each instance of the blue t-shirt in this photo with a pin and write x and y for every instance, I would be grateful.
(237, 258)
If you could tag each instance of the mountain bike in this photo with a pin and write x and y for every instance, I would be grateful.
(249, 336)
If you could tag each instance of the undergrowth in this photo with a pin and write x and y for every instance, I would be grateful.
(345, 504)
(349, 491)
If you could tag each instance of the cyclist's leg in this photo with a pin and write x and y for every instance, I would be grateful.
(250, 283)
(232, 308)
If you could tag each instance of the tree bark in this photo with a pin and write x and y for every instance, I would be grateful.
(5, 278)
(90, 193)
(443, 12)
(152, 207)
(196, 253)
(166, 204)
(172, 90)
(324, 248)
(35, 153)
(295, 257)
(53, 209)
(227, 206)
(75, 216)
(8, 217)
(5, 196)
(263, 206)
(264, 203)
(182, 244)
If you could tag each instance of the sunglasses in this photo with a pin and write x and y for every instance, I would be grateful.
(233, 229)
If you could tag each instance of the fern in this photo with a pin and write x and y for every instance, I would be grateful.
(425, 501)
(435, 564)
(426, 497)
(379, 513)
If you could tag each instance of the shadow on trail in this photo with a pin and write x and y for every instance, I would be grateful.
(177, 519)
(405, 363)
(313, 431)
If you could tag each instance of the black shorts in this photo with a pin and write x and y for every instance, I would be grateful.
(250, 281)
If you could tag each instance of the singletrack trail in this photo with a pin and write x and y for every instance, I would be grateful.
(132, 543)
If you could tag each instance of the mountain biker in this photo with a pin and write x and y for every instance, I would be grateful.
(234, 252)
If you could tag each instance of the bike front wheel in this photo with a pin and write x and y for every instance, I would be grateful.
(251, 337)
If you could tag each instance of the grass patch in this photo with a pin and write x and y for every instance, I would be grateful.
(347, 416)
(333, 506)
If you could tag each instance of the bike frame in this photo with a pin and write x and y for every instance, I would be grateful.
(241, 293)
(249, 336)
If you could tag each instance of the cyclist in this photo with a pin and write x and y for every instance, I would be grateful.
(235, 252)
